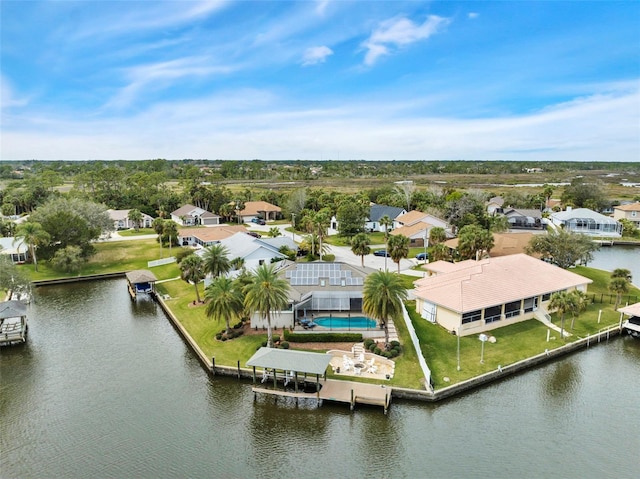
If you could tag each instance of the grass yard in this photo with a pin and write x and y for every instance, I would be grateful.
(112, 257)
(140, 232)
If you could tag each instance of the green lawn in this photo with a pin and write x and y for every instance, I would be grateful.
(115, 256)
(140, 232)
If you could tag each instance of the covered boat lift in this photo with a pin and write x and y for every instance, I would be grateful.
(13, 322)
(631, 325)
(141, 281)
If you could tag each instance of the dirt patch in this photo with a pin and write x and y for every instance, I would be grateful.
(194, 304)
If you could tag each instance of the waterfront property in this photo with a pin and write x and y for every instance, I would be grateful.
(13, 322)
(321, 289)
(629, 212)
(586, 221)
(472, 297)
(203, 237)
(631, 325)
(255, 251)
(18, 251)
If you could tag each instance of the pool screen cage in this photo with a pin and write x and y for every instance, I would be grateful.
(336, 301)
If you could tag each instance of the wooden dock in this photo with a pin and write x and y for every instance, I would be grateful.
(348, 392)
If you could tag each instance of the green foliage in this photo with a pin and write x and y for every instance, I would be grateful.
(216, 260)
(322, 337)
(383, 294)
(351, 216)
(183, 253)
(473, 241)
(360, 246)
(563, 248)
(225, 301)
(68, 259)
(398, 247)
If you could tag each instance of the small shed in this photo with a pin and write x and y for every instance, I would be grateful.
(141, 281)
(13, 322)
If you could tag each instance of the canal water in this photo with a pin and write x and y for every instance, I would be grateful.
(612, 257)
(105, 388)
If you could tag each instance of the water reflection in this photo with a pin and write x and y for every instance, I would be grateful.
(563, 380)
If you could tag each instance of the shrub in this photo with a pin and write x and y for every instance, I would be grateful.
(238, 325)
(377, 351)
(264, 344)
(276, 338)
(322, 337)
(182, 254)
(284, 345)
(394, 344)
(219, 336)
(373, 347)
(368, 342)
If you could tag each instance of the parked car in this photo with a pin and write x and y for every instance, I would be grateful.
(381, 252)
(259, 221)
(422, 256)
(254, 234)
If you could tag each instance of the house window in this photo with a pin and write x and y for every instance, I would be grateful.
(512, 309)
(261, 262)
(492, 314)
(546, 297)
(471, 316)
(530, 304)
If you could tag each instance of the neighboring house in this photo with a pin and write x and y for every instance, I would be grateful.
(552, 204)
(372, 223)
(524, 218)
(586, 221)
(196, 237)
(252, 250)
(417, 225)
(472, 297)
(189, 215)
(121, 220)
(503, 244)
(318, 288)
(495, 205)
(18, 252)
(259, 209)
(629, 212)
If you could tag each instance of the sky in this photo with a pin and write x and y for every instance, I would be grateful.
(320, 80)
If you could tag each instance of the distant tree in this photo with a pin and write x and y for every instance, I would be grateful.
(437, 235)
(581, 302)
(619, 285)
(225, 301)
(440, 252)
(498, 224)
(386, 223)
(584, 194)
(13, 278)
(406, 189)
(398, 247)
(629, 228)
(562, 302)
(216, 260)
(622, 273)
(34, 235)
(170, 232)
(563, 248)
(351, 216)
(158, 226)
(135, 216)
(265, 294)
(473, 241)
(68, 259)
(296, 202)
(360, 246)
(312, 243)
(383, 294)
(192, 271)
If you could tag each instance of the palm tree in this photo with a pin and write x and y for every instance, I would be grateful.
(158, 226)
(321, 221)
(192, 271)
(387, 223)
(34, 235)
(274, 232)
(311, 243)
(622, 273)
(135, 216)
(580, 304)
(440, 252)
(170, 230)
(225, 300)
(266, 293)
(437, 235)
(216, 260)
(619, 286)
(562, 302)
(383, 295)
(360, 246)
(398, 248)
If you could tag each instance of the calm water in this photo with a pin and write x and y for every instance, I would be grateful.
(612, 257)
(105, 388)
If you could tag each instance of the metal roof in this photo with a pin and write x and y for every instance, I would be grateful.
(287, 360)
(12, 309)
(141, 276)
(632, 309)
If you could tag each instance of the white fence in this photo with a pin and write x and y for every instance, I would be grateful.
(160, 262)
(416, 344)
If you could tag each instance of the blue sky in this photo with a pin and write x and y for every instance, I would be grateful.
(374, 80)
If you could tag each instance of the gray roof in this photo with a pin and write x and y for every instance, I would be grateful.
(141, 276)
(287, 360)
(378, 211)
(12, 309)
(582, 213)
(280, 241)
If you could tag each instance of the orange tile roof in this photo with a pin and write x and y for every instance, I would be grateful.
(411, 217)
(412, 230)
(629, 207)
(214, 233)
(493, 281)
(255, 207)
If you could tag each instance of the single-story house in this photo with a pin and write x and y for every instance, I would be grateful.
(260, 209)
(253, 251)
(524, 218)
(189, 215)
(318, 288)
(207, 236)
(629, 212)
(18, 252)
(372, 223)
(121, 220)
(417, 225)
(472, 297)
(586, 221)
(503, 244)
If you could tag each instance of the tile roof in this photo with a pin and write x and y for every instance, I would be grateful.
(629, 207)
(419, 228)
(474, 285)
(411, 217)
(255, 207)
(214, 233)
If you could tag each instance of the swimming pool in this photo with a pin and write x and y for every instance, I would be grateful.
(354, 322)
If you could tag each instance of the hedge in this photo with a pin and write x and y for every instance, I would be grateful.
(322, 337)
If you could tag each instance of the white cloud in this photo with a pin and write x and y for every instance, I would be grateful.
(398, 32)
(473, 15)
(316, 55)
(321, 6)
(7, 95)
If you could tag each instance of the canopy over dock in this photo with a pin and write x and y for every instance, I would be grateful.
(632, 325)
(141, 281)
(286, 360)
(13, 322)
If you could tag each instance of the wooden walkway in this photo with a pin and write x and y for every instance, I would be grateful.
(348, 392)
